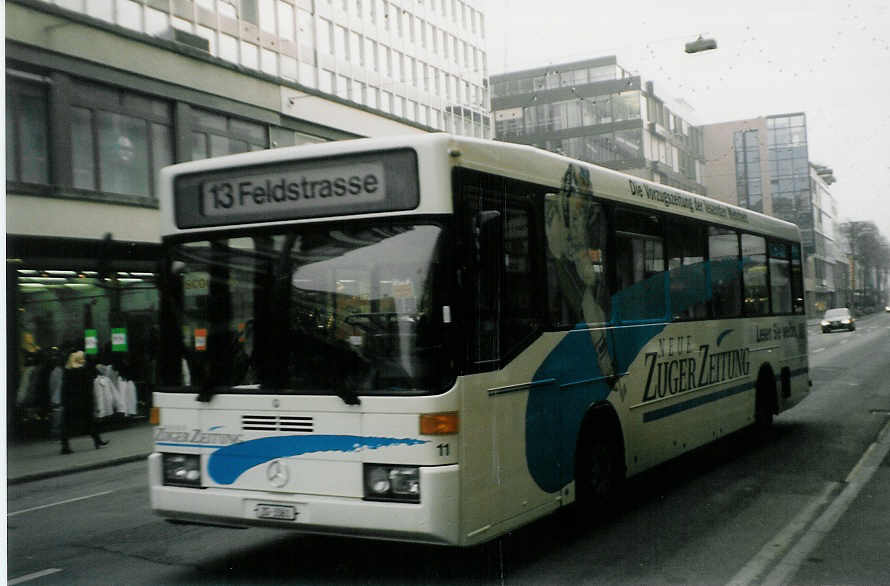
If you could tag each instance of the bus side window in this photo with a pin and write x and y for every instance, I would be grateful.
(723, 264)
(686, 270)
(576, 260)
(754, 273)
(780, 277)
(486, 229)
(519, 318)
(798, 305)
(640, 267)
(501, 281)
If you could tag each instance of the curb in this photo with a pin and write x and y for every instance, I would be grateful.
(75, 469)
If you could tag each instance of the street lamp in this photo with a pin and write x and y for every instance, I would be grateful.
(700, 44)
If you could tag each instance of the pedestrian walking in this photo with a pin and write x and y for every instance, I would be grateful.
(57, 363)
(78, 409)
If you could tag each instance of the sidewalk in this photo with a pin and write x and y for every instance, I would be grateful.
(34, 460)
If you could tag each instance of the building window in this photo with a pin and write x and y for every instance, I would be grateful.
(286, 21)
(324, 36)
(626, 106)
(629, 144)
(122, 139)
(747, 161)
(214, 135)
(27, 132)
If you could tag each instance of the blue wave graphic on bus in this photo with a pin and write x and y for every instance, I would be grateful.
(227, 464)
(578, 381)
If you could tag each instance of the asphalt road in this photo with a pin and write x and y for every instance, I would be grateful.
(706, 518)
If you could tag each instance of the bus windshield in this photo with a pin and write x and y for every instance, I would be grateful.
(345, 309)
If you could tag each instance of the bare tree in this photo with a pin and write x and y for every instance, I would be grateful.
(870, 254)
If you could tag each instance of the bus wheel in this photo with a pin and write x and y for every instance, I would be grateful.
(599, 469)
(765, 400)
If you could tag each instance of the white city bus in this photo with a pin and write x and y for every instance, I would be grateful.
(439, 339)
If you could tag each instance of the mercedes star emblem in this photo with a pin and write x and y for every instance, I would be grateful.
(277, 473)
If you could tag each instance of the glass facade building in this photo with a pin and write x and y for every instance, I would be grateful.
(788, 165)
(747, 169)
(596, 111)
(763, 164)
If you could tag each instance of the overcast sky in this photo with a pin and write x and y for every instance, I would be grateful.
(827, 58)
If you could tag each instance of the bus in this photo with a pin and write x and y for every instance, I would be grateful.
(438, 339)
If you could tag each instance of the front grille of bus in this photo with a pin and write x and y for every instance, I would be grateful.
(292, 424)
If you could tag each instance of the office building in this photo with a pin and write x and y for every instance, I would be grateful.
(763, 164)
(597, 111)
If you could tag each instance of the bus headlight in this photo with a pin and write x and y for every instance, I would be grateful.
(392, 483)
(182, 469)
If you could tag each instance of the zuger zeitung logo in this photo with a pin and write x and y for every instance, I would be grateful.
(678, 367)
(196, 436)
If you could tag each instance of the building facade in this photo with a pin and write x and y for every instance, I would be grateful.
(830, 266)
(596, 111)
(763, 164)
(101, 94)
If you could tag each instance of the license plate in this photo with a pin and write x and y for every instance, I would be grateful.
(278, 512)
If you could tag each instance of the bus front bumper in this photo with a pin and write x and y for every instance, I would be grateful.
(434, 520)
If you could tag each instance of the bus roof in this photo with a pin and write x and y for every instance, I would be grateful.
(439, 152)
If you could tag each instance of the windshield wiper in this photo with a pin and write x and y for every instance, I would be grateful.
(348, 394)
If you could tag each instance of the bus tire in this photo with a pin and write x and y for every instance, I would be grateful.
(765, 402)
(599, 467)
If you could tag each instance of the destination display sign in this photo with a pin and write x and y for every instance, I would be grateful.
(279, 193)
(298, 189)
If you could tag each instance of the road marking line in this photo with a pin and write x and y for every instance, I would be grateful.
(74, 500)
(857, 479)
(817, 350)
(779, 544)
(34, 576)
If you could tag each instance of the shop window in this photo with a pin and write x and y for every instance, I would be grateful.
(214, 135)
(27, 131)
(112, 319)
(122, 139)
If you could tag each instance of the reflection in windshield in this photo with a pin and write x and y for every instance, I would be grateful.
(314, 309)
